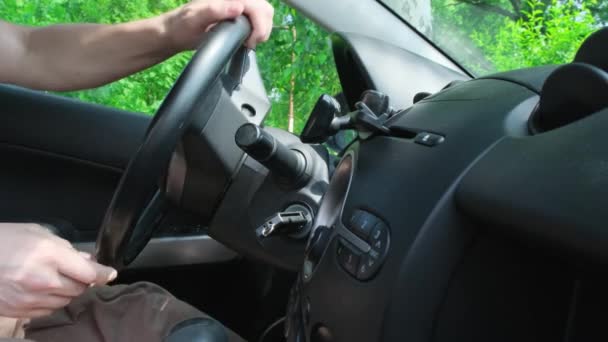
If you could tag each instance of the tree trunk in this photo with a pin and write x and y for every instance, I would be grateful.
(292, 89)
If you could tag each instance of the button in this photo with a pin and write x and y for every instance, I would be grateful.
(429, 139)
(379, 239)
(371, 262)
(368, 266)
(348, 258)
(362, 223)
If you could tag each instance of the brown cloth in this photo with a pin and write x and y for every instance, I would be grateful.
(120, 313)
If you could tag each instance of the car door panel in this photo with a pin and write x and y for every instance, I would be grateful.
(61, 159)
(69, 127)
(44, 187)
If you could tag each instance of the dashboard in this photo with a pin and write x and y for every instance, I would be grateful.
(395, 255)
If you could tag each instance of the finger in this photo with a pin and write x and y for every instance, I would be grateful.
(231, 9)
(67, 287)
(213, 11)
(51, 281)
(86, 255)
(256, 35)
(260, 14)
(71, 264)
(210, 27)
(61, 241)
(105, 274)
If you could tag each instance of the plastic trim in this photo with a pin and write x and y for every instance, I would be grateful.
(175, 251)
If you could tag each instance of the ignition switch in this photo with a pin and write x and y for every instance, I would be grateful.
(294, 222)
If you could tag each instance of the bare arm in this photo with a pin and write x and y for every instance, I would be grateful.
(68, 57)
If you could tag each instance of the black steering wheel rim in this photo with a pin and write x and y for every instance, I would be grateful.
(137, 185)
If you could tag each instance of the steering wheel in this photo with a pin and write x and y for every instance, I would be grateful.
(134, 209)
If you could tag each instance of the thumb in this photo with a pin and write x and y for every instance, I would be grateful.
(77, 266)
(104, 274)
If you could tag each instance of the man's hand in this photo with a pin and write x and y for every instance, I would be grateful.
(40, 272)
(185, 25)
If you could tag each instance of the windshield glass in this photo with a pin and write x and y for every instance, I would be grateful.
(486, 36)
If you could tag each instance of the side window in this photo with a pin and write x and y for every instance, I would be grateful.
(296, 64)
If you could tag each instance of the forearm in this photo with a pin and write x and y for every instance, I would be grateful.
(68, 57)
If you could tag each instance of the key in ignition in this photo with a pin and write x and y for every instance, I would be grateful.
(287, 223)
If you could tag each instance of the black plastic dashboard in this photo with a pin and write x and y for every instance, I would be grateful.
(437, 274)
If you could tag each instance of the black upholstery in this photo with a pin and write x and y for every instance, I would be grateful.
(198, 330)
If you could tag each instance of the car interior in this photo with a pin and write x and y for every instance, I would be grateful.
(462, 209)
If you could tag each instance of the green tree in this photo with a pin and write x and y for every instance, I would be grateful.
(297, 66)
(296, 63)
(544, 34)
(498, 35)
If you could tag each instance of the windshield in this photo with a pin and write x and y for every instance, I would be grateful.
(486, 36)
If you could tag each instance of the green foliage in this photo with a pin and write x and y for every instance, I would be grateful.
(545, 34)
(297, 63)
(142, 92)
(313, 70)
(307, 58)
(455, 22)
(497, 35)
